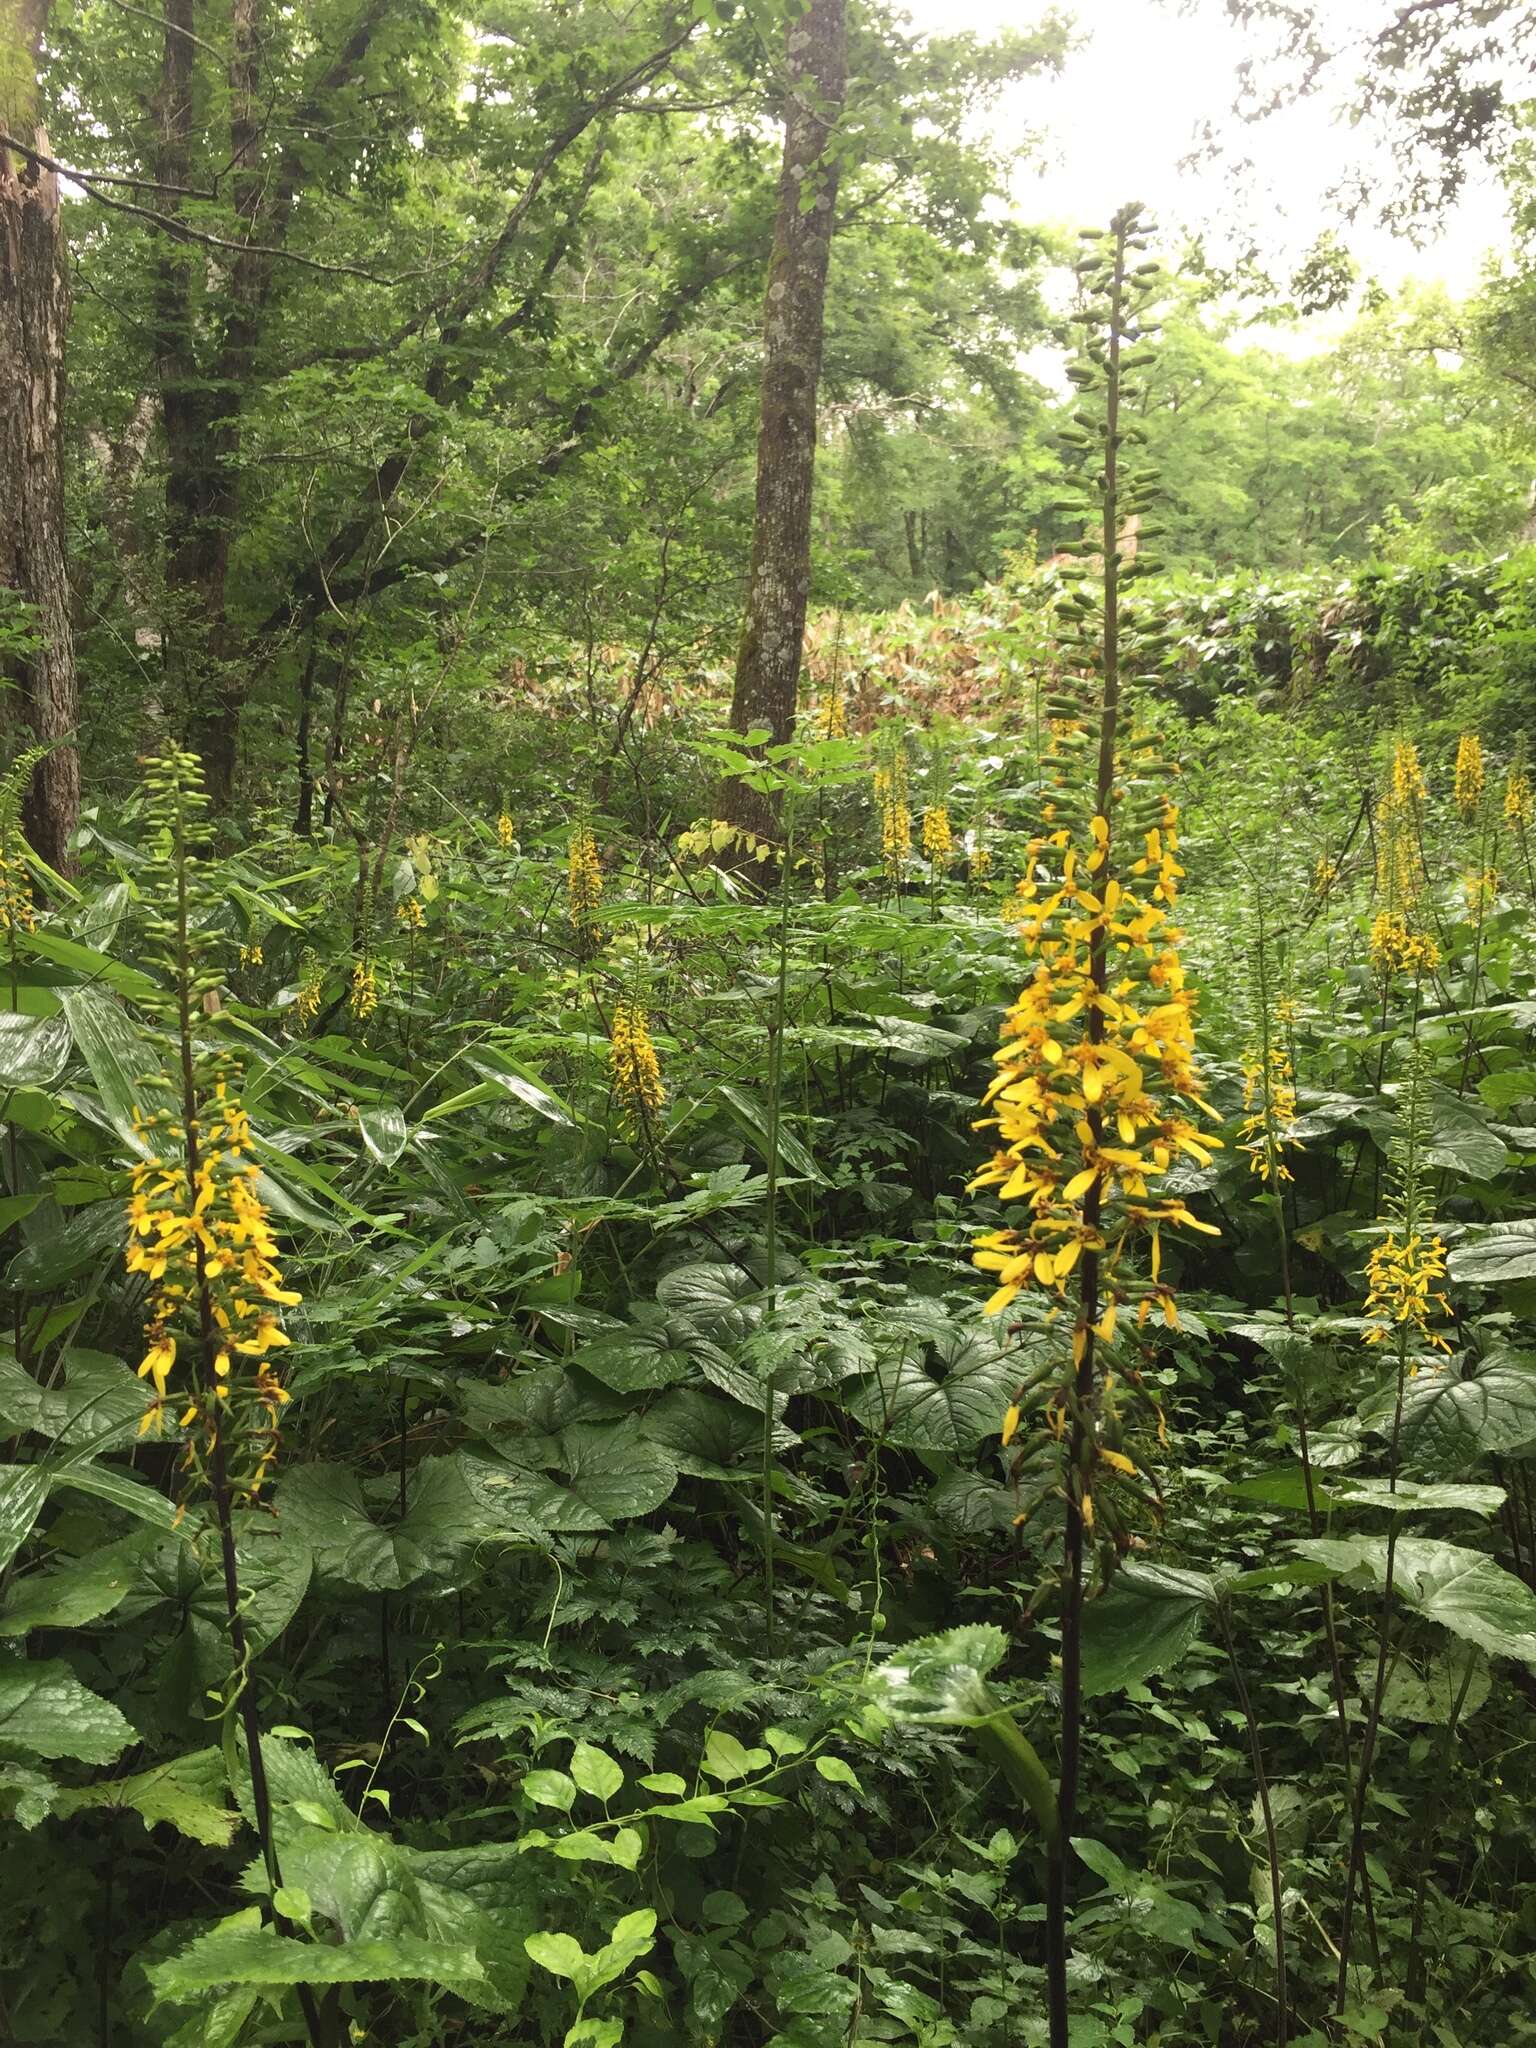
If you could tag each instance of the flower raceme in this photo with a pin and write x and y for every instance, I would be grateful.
(199, 1230)
(636, 1069)
(1097, 1074)
(938, 839)
(506, 832)
(1404, 1277)
(1269, 1096)
(1471, 774)
(584, 880)
(1397, 948)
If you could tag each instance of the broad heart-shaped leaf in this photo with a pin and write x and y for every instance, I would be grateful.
(372, 1888)
(903, 1403)
(98, 1401)
(181, 1583)
(187, 1792)
(46, 1711)
(323, 1506)
(34, 1051)
(1450, 1419)
(609, 1472)
(706, 1437)
(635, 1360)
(1144, 1623)
(1462, 1590)
(383, 1131)
(944, 1678)
(257, 1955)
(564, 1956)
(1495, 1255)
(720, 1299)
(1459, 1136)
(1457, 1677)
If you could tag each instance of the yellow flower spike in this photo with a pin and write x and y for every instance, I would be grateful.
(506, 832)
(1471, 774)
(1118, 1462)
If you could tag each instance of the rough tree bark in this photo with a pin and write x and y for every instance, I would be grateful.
(34, 315)
(779, 576)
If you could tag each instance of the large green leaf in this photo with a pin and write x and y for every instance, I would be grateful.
(95, 1399)
(1451, 1418)
(608, 1473)
(1459, 1137)
(383, 1131)
(182, 1581)
(1144, 1623)
(706, 1437)
(46, 1711)
(256, 1955)
(1493, 1256)
(187, 1792)
(1460, 1589)
(903, 1403)
(23, 1489)
(943, 1678)
(33, 1050)
(323, 1506)
(72, 1594)
(120, 1056)
(1286, 1487)
(719, 1298)
(636, 1359)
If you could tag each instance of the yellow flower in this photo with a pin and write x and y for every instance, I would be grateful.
(584, 887)
(16, 911)
(306, 1000)
(1096, 1077)
(1480, 890)
(938, 840)
(1269, 1093)
(636, 1069)
(1519, 803)
(1396, 947)
(411, 914)
(251, 956)
(1408, 786)
(981, 863)
(200, 1238)
(1325, 877)
(1471, 776)
(505, 832)
(363, 999)
(1403, 1277)
(834, 718)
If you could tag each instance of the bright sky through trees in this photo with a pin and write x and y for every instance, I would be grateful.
(1129, 108)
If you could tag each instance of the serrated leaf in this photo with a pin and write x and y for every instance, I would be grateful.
(187, 1793)
(1144, 1623)
(1462, 1590)
(1494, 1256)
(46, 1711)
(260, 1956)
(69, 1595)
(1451, 1418)
(607, 1475)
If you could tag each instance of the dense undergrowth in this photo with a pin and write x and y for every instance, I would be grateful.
(493, 1342)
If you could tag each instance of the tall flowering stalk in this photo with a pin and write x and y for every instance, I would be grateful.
(891, 799)
(1405, 1272)
(1471, 775)
(1097, 1093)
(636, 1071)
(584, 888)
(200, 1237)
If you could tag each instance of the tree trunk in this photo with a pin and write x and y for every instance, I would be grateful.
(779, 578)
(34, 314)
